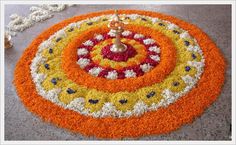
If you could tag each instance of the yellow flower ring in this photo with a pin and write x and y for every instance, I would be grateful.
(51, 80)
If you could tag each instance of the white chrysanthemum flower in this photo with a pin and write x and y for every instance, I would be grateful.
(83, 62)
(45, 44)
(77, 104)
(95, 71)
(127, 113)
(95, 114)
(148, 41)
(171, 26)
(38, 14)
(188, 88)
(168, 101)
(108, 109)
(40, 90)
(19, 23)
(167, 94)
(112, 33)
(38, 78)
(133, 16)
(60, 33)
(82, 51)
(193, 48)
(37, 60)
(169, 97)
(52, 94)
(72, 25)
(198, 65)
(126, 33)
(184, 35)
(53, 7)
(154, 20)
(155, 106)
(154, 49)
(99, 37)
(188, 79)
(155, 57)
(112, 75)
(130, 74)
(88, 43)
(95, 19)
(139, 108)
(137, 36)
(146, 67)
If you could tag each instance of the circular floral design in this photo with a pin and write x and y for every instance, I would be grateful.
(102, 62)
(75, 73)
(69, 96)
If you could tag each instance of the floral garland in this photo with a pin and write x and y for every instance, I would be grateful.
(38, 13)
(161, 99)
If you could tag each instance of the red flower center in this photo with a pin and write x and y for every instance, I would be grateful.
(120, 56)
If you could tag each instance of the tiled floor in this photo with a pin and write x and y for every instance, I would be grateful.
(214, 124)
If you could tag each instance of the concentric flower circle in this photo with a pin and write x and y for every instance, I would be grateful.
(165, 66)
(111, 99)
(98, 59)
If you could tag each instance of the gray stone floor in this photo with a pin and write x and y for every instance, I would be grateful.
(214, 124)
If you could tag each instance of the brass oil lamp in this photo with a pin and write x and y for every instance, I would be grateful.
(117, 27)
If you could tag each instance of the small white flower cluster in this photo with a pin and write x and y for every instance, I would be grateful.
(38, 14)
(138, 36)
(83, 62)
(73, 25)
(88, 43)
(188, 79)
(184, 35)
(95, 71)
(126, 33)
(54, 7)
(193, 48)
(112, 33)
(139, 108)
(99, 37)
(171, 26)
(169, 97)
(60, 34)
(112, 75)
(133, 16)
(154, 20)
(82, 51)
(155, 57)
(154, 49)
(198, 65)
(18, 23)
(94, 19)
(148, 41)
(37, 78)
(146, 67)
(130, 74)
